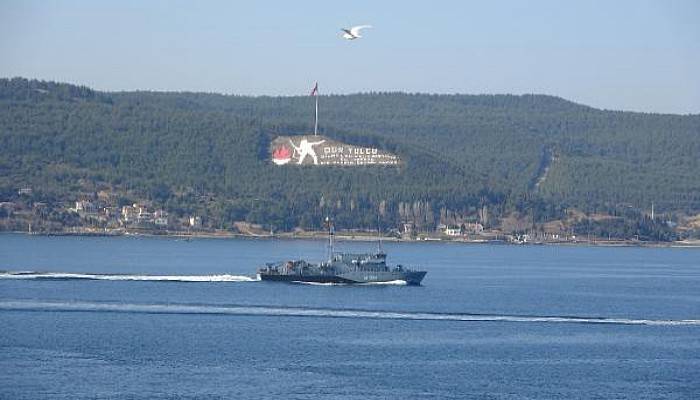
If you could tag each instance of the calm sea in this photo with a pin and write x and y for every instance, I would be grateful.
(161, 318)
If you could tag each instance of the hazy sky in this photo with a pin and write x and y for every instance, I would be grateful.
(629, 55)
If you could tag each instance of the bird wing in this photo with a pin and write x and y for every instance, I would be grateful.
(346, 31)
(355, 30)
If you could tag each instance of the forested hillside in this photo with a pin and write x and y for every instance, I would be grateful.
(207, 153)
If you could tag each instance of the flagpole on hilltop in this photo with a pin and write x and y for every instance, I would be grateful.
(314, 93)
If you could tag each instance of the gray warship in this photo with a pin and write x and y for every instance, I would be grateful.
(349, 268)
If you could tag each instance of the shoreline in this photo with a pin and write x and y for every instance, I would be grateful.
(322, 236)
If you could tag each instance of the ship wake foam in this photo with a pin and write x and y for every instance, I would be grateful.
(269, 311)
(398, 282)
(30, 275)
(319, 283)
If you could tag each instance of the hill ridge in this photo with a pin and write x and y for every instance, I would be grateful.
(461, 152)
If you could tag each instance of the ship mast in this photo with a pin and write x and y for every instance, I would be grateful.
(329, 223)
(379, 236)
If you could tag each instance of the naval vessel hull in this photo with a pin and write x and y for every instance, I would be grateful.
(411, 278)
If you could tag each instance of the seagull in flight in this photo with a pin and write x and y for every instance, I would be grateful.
(354, 32)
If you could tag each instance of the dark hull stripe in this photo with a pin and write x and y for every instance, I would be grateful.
(412, 279)
(304, 278)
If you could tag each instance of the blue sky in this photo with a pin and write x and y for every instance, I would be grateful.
(624, 55)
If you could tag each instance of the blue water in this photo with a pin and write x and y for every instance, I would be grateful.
(144, 318)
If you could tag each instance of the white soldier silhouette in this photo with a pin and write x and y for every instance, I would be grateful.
(306, 149)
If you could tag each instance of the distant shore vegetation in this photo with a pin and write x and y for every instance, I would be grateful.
(531, 165)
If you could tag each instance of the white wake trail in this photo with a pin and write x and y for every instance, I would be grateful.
(397, 282)
(126, 277)
(270, 311)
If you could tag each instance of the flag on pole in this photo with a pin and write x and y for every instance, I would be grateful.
(314, 94)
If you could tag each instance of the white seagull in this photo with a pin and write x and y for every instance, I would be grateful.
(354, 32)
